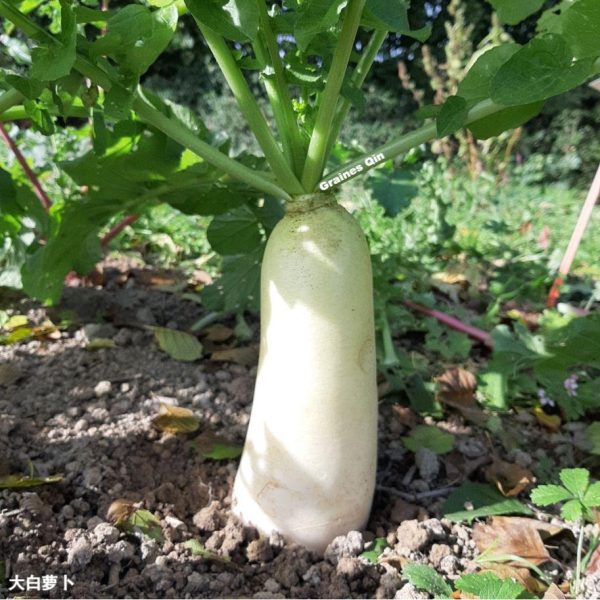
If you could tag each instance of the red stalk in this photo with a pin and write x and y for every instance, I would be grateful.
(477, 334)
(35, 182)
(116, 230)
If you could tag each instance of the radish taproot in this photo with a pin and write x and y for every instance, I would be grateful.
(308, 466)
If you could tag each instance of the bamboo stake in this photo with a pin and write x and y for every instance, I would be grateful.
(576, 236)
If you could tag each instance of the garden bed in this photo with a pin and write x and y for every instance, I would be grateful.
(87, 414)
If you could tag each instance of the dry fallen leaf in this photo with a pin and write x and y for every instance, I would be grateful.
(246, 356)
(551, 422)
(404, 415)
(174, 419)
(156, 278)
(511, 479)
(449, 283)
(594, 564)
(457, 387)
(554, 593)
(519, 536)
(120, 510)
(395, 560)
(217, 333)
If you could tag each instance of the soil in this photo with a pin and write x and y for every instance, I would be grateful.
(87, 415)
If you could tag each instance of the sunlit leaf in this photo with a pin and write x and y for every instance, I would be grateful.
(427, 578)
(432, 438)
(15, 482)
(474, 500)
(175, 419)
(215, 447)
(179, 345)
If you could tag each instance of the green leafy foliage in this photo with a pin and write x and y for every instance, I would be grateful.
(541, 69)
(477, 82)
(592, 433)
(392, 15)
(223, 452)
(235, 232)
(198, 549)
(490, 586)
(427, 578)
(475, 500)
(452, 116)
(315, 17)
(580, 26)
(56, 60)
(432, 438)
(578, 495)
(234, 19)
(372, 555)
(514, 11)
(562, 347)
(145, 523)
(179, 345)
(507, 118)
(136, 37)
(238, 286)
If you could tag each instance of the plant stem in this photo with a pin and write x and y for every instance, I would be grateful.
(278, 92)
(9, 99)
(18, 113)
(151, 115)
(390, 358)
(33, 179)
(116, 230)
(317, 149)
(474, 332)
(188, 139)
(250, 109)
(578, 565)
(358, 78)
(413, 139)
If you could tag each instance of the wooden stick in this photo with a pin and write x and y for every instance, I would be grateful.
(35, 182)
(571, 251)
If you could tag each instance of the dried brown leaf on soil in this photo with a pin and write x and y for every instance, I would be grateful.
(175, 419)
(510, 479)
(518, 536)
(246, 356)
(217, 333)
(450, 283)
(157, 278)
(554, 593)
(551, 422)
(457, 387)
(594, 564)
(405, 415)
(120, 510)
